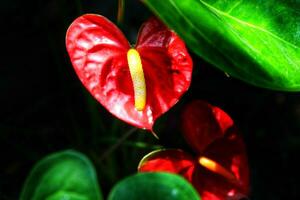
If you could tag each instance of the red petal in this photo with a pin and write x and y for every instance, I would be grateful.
(98, 52)
(228, 151)
(171, 160)
(203, 123)
(166, 63)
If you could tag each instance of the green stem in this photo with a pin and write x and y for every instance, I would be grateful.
(117, 144)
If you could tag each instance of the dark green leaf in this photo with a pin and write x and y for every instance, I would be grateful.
(254, 40)
(67, 175)
(150, 186)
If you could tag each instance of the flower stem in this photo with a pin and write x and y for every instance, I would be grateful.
(117, 144)
(121, 6)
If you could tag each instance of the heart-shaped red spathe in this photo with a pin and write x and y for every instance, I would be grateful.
(230, 152)
(169, 160)
(212, 134)
(203, 123)
(98, 52)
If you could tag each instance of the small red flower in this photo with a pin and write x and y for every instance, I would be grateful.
(219, 170)
(136, 84)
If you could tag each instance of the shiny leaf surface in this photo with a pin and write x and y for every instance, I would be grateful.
(149, 186)
(98, 51)
(255, 41)
(64, 175)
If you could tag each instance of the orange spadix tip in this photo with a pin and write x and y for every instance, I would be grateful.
(216, 168)
(138, 78)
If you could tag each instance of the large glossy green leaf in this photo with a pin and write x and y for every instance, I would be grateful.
(254, 40)
(150, 186)
(67, 175)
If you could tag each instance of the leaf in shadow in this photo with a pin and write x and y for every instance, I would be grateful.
(63, 175)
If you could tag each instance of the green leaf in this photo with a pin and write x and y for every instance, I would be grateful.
(66, 175)
(254, 40)
(158, 186)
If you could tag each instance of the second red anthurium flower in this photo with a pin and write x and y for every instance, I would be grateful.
(136, 84)
(219, 168)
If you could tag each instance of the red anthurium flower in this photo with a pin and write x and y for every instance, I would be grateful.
(219, 170)
(136, 84)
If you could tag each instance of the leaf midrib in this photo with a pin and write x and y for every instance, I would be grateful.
(242, 40)
(197, 30)
(217, 11)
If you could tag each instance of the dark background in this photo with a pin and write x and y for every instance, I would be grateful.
(44, 107)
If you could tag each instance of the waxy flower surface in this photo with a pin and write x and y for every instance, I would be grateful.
(218, 169)
(136, 84)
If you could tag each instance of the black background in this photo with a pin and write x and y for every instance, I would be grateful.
(44, 107)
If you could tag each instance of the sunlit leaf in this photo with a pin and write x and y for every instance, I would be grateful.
(253, 40)
(158, 186)
(67, 175)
